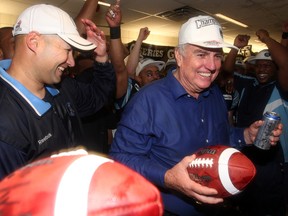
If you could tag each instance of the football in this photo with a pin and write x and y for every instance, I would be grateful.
(78, 184)
(221, 167)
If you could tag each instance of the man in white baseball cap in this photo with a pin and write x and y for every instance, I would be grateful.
(262, 55)
(265, 68)
(148, 70)
(167, 121)
(50, 20)
(39, 115)
(203, 31)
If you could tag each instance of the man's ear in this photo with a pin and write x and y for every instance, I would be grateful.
(178, 57)
(32, 41)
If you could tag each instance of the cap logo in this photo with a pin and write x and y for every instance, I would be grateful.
(205, 22)
(221, 33)
(18, 26)
(212, 43)
(267, 54)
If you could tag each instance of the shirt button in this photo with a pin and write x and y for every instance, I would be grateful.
(239, 141)
(207, 141)
(202, 120)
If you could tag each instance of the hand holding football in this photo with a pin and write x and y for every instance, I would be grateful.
(223, 168)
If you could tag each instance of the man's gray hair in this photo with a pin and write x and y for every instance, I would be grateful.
(182, 49)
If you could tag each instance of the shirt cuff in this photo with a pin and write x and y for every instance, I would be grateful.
(237, 138)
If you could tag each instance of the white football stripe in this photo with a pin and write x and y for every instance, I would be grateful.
(224, 171)
(72, 194)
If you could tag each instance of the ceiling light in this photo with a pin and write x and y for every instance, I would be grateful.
(231, 20)
(103, 3)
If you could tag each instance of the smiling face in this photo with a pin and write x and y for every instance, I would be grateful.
(198, 67)
(57, 55)
(265, 71)
(148, 75)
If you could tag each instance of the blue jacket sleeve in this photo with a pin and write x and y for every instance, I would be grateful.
(10, 159)
(91, 95)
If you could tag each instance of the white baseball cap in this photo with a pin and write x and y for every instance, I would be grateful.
(262, 55)
(203, 31)
(249, 59)
(50, 20)
(171, 61)
(147, 62)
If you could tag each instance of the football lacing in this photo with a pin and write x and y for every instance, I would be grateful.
(202, 162)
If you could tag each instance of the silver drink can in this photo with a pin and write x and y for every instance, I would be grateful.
(271, 120)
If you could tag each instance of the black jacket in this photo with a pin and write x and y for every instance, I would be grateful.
(31, 128)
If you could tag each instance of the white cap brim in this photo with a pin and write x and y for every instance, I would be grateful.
(78, 42)
(159, 64)
(214, 45)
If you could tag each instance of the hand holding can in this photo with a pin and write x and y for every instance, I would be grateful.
(271, 120)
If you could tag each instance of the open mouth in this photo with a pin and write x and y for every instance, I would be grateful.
(262, 76)
(205, 74)
(61, 69)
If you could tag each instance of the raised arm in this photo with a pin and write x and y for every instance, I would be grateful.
(240, 41)
(134, 56)
(279, 55)
(113, 18)
(88, 11)
(97, 36)
(284, 38)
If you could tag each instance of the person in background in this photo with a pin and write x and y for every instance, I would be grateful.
(148, 70)
(136, 73)
(239, 66)
(134, 58)
(96, 126)
(87, 11)
(231, 95)
(249, 68)
(171, 118)
(170, 66)
(268, 91)
(6, 43)
(284, 36)
(284, 42)
(39, 114)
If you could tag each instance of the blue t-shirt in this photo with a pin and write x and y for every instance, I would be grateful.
(162, 124)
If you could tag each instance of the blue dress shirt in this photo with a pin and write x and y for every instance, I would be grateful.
(162, 124)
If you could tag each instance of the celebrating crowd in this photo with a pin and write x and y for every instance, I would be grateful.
(145, 114)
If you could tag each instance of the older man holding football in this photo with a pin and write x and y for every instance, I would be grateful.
(166, 122)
